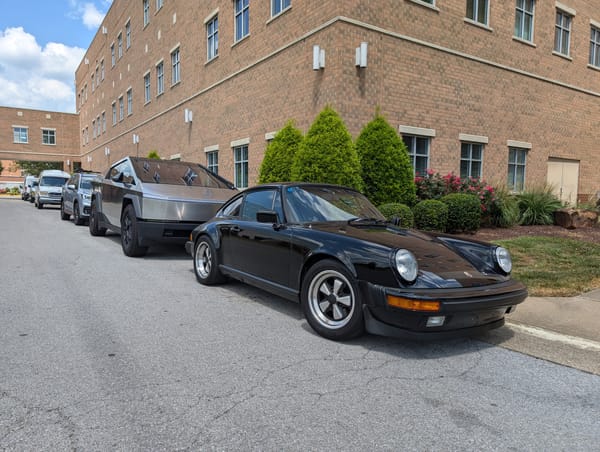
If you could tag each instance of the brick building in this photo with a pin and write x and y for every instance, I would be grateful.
(36, 135)
(509, 91)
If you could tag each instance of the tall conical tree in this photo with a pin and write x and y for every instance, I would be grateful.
(386, 170)
(327, 153)
(279, 155)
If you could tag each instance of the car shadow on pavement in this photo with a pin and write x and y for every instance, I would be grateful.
(398, 347)
(160, 252)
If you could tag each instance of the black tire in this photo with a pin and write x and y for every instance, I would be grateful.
(130, 234)
(63, 215)
(206, 266)
(331, 301)
(94, 224)
(76, 215)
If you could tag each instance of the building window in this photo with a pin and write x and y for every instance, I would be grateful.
(128, 34)
(48, 136)
(147, 88)
(114, 113)
(477, 11)
(595, 47)
(20, 135)
(129, 101)
(175, 69)
(113, 59)
(120, 45)
(212, 38)
(277, 6)
(93, 83)
(121, 109)
(240, 158)
(102, 70)
(160, 78)
(146, 5)
(99, 126)
(103, 122)
(524, 20)
(418, 151)
(516, 168)
(242, 19)
(471, 160)
(94, 129)
(159, 4)
(562, 32)
(212, 161)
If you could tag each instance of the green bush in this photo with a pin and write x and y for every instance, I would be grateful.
(386, 169)
(504, 211)
(15, 191)
(398, 210)
(431, 215)
(464, 212)
(327, 153)
(279, 155)
(153, 155)
(537, 206)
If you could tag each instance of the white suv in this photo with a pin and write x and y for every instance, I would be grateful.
(49, 190)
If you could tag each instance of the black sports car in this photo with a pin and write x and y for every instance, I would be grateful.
(329, 248)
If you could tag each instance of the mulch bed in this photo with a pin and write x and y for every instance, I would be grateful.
(591, 235)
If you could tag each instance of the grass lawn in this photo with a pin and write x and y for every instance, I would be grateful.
(554, 267)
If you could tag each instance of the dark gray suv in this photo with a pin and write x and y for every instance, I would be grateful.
(76, 197)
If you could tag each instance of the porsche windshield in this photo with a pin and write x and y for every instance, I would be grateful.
(308, 204)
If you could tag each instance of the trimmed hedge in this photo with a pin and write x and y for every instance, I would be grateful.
(398, 210)
(431, 215)
(464, 212)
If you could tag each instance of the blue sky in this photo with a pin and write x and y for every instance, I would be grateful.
(41, 45)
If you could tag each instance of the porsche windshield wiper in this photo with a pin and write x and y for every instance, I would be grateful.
(365, 220)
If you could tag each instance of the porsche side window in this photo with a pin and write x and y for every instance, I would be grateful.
(232, 209)
(255, 201)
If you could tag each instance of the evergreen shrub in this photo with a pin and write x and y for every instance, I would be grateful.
(431, 215)
(464, 212)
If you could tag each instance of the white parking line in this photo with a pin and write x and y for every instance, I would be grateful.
(584, 344)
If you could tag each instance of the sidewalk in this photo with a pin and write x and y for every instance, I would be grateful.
(574, 316)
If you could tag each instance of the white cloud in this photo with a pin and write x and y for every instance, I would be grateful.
(89, 13)
(36, 77)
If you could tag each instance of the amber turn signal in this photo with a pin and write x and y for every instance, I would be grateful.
(413, 305)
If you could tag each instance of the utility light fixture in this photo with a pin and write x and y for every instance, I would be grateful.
(361, 55)
(318, 58)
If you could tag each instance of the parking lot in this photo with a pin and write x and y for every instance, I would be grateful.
(101, 351)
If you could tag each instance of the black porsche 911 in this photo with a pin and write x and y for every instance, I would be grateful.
(329, 248)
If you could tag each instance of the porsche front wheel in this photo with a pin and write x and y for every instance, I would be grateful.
(206, 266)
(330, 301)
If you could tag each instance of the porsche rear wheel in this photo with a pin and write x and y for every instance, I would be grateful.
(330, 301)
(206, 266)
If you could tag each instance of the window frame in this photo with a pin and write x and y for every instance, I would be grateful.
(470, 160)
(562, 30)
(114, 113)
(146, 12)
(520, 9)
(243, 13)
(160, 78)
(23, 132)
(514, 162)
(147, 88)
(212, 161)
(594, 57)
(412, 151)
(175, 66)
(48, 134)
(476, 6)
(240, 166)
(129, 94)
(113, 55)
(121, 108)
(128, 34)
(120, 45)
(212, 38)
(279, 7)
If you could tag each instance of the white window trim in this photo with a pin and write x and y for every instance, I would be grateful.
(425, 4)
(518, 144)
(566, 9)
(175, 156)
(240, 142)
(595, 24)
(473, 138)
(270, 135)
(211, 16)
(213, 148)
(417, 131)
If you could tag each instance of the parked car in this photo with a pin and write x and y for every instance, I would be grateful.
(34, 188)
(330, 249)
(76, 197)
(27, 186)
(150, 201)
(49, 190)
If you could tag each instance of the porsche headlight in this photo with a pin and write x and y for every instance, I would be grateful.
(406, 264)
(503, 259)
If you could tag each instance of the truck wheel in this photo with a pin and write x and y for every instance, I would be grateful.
(76, 216)
(95, 229)
(130, 233)
(63, 215)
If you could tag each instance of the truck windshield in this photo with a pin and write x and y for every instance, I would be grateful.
(53, 181)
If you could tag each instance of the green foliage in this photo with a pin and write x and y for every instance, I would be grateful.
(15, 191)
(153, 155)
(279, 155)
(35, 168)
(505, 210)
(327, 153)
(537, 206)
(1, 167)
(431, 215)
(464, 212)
(398, 210)
(386, 169)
